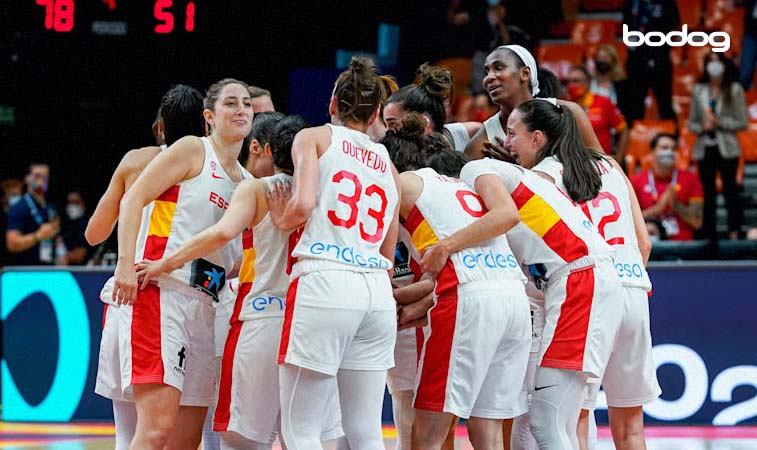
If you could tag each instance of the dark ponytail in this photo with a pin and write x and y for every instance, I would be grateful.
(359, 90)
(580, 175)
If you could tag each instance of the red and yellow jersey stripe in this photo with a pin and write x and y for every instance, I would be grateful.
(542, 219)
(161, 218)
(421, 234)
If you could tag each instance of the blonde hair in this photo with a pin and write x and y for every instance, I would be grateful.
(616, 70)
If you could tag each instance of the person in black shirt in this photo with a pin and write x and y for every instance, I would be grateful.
(650, 66)
(33, 223)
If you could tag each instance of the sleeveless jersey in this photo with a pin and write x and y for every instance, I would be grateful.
(493, 126)
(263, 278)
(186, 209)
(611, 213)
(357, 198)
(445, 206)
(459, 134)
(144, 226)
(553, 231)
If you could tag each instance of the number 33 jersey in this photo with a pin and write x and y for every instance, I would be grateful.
(611, 212)
(357, 197)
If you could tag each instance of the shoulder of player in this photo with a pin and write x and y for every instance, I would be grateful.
(138, 158)
(252, 186)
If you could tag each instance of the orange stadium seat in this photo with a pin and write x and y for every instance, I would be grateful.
(748, 142)
(751, 104)
(690, 12)
(602, 5)
(461, 72)
(684, 79)
(682, 106)
(559, 58)
(594, 32)
(641, 135)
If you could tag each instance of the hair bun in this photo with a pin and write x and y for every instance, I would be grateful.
(413, 127)
(362, 66)
(438, 81)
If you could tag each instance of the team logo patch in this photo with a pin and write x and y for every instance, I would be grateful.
(207, 277)
(401, 261)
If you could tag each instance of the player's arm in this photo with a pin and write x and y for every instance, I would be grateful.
(242, 212)
(642, 235)
(475, 148)
(413, 292)
(289, 212)
(390, 241)
(501, 215)
(181, 161)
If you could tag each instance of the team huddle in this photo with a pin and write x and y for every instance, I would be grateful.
(494, 273)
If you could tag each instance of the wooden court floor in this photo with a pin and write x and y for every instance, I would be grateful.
(85, 436)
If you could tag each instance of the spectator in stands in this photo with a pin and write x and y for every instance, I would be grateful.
(670, 199)
(33, 223)
(13, 189)
(77, 249)
(605, 118)
(261, 99)
(749, 44)
(609, 78)
(718, 111)
(649, 66)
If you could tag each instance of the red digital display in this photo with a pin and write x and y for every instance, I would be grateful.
(166, 14)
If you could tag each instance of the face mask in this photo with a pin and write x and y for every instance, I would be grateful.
(12, 200)
(602, 67)
(666, 157)
(39, 185)
(715, 68)
(576, 92)
(74, 211)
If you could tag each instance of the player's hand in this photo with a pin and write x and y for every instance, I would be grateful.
(277, 197)
(498, 151)
(150, 270)
(433, 260)
(422, 322)
(125, 284)
(416, 310)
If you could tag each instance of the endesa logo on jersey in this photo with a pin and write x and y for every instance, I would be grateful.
(626, 270)
(270, 304)
(489, 260)
(347, 255)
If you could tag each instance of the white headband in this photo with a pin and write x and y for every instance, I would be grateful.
(529, 61)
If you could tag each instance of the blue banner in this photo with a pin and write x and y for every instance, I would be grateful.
(704, 332)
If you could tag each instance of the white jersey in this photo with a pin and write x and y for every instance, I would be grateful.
(185, 210)
(460, 136)
(445, 206)
(611, 213)
(264, 278)
(357, 197)
(493, 128)
(553, 231)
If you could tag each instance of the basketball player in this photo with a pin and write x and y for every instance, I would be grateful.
(340, 318)
(537, 127)
(432, 88)
(581, 292)
(166, 331)
(478, 332)
(180, 114)
(247, 412)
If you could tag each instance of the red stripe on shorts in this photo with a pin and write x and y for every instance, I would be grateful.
(223, 409)
(566, 351)
(288, 313)
(105, 314)
(146, 357)
(432, 387)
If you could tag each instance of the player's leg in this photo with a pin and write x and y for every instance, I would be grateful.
(361, 394)
(187, 432)
(157, 411)
(125, 418)
(402, 412)
(555, 406)
(430, 429)
(304, 396)
(627, 426)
